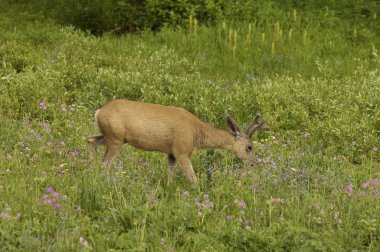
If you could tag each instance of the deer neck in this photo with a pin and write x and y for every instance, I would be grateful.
(210, 137)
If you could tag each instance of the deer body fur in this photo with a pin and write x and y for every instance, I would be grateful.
(171, 130)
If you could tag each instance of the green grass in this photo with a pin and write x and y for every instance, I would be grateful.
(317, 180)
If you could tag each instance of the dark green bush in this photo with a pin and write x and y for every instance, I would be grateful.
(122, 16)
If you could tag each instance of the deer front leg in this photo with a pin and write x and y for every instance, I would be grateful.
(171, 167)
(111, 150)
(188, 169)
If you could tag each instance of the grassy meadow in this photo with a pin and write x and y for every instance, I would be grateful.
(316, 182)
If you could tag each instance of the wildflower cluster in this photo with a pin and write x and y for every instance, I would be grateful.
(52, 198)
(60, 171)
(241, 205)
(6, 213)
(43, 105)
(203, 205)
(369, 189)
(59, 148)
(55, 147)
(241, 217)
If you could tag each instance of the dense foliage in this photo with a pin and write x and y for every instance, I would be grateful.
(311, 72)
(122, 16)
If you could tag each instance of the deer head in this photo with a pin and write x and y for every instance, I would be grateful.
(242, 146)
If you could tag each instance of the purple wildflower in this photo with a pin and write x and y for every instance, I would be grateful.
(208, 204)
(374, 181)
(255, 187)
(47, 127)
(229, 217)
(273, 200)
(43, 105)
(240, 203)
(49, 201)
(349, 188)
(49, 189)
(83, 242)
(57, 206)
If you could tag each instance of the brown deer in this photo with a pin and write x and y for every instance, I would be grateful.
(171, 130)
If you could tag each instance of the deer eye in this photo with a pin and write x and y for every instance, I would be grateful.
(249, 148)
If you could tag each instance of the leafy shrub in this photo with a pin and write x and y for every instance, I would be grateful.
(122, 16)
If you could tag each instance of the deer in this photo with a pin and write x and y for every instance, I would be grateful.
(167, 129)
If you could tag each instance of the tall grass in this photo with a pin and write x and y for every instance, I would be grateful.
(316, 182)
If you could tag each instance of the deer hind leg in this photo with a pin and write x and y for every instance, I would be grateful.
(92, 145)
(171, 167)
(111, 150)
(188, 169)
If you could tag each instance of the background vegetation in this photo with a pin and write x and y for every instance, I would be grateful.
(311, 69)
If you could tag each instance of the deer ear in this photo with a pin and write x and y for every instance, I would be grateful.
(232, 126)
